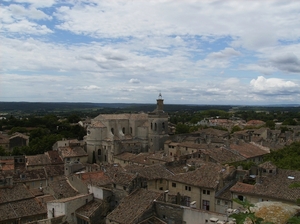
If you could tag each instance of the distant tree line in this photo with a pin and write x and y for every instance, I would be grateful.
(43, 131)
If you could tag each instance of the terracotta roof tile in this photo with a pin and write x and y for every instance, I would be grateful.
(153, 172)
(62, 188)
(98, 178)
(23, 208)
(88, 209)
(54, 157)
(38, 160)
(16, 193)
(248, 150)
(67, 152)
(273, 186)
(133, 206)
(207, 176)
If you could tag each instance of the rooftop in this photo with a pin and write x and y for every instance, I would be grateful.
(37, 160)
(62, 188)
(208, 176)
(67, 152)
(248, 150)
(88, 209)
(133, 206)
(273, 186)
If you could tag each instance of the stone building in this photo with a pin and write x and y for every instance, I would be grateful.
(112, 134)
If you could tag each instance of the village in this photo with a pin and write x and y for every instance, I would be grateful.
(133, 168)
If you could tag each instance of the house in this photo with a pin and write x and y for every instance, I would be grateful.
(154, 177)
(73, 155)
(61, 188)
(138, 206)
(18, 140)
(220, 155)
(31, 178)
(18, 205)
(271, 184)
(4, 141)
(93, 212)
(66, 207)
(250, 151)
(37, 161)
(199, 186)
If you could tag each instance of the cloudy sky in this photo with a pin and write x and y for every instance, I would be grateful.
(192, 51)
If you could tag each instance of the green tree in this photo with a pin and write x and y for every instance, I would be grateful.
(270, 124)
(182, 128)
(3, 152)
(73, 118)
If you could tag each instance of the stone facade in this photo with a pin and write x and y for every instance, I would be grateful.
(111, 134)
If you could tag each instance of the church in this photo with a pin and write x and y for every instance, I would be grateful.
(112, 134)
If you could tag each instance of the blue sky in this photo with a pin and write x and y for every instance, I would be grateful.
(192, 51)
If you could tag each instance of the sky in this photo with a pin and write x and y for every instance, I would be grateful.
(237, 52)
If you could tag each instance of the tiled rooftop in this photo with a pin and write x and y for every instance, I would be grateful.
(273, 186)
(222, 155)
(133, 206)
(37, 160)
(16, 193)
(54, 170)
(140, 116)
(54, 157)
(7, 164)
(29, 175)
(208, 175)
(67, 152)
(70, 198)
(88, 209)
(156, 171)
(248, 150)
(23, 208)
(62, 188)
(17, 134)
(98, 178)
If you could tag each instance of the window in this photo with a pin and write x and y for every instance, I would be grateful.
(163, 125)
(206, 192)
(218, 202)
(205, 205)
(99, 152)
(241, 197)
(188, 188)
(226, 202)
(151, 126)
(173, 184)
(155, 127)
(112, 130)
(123, 130)
(161, 188)
(124, 188)
(130, 130)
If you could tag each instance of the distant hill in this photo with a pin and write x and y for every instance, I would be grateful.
(58, 107)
